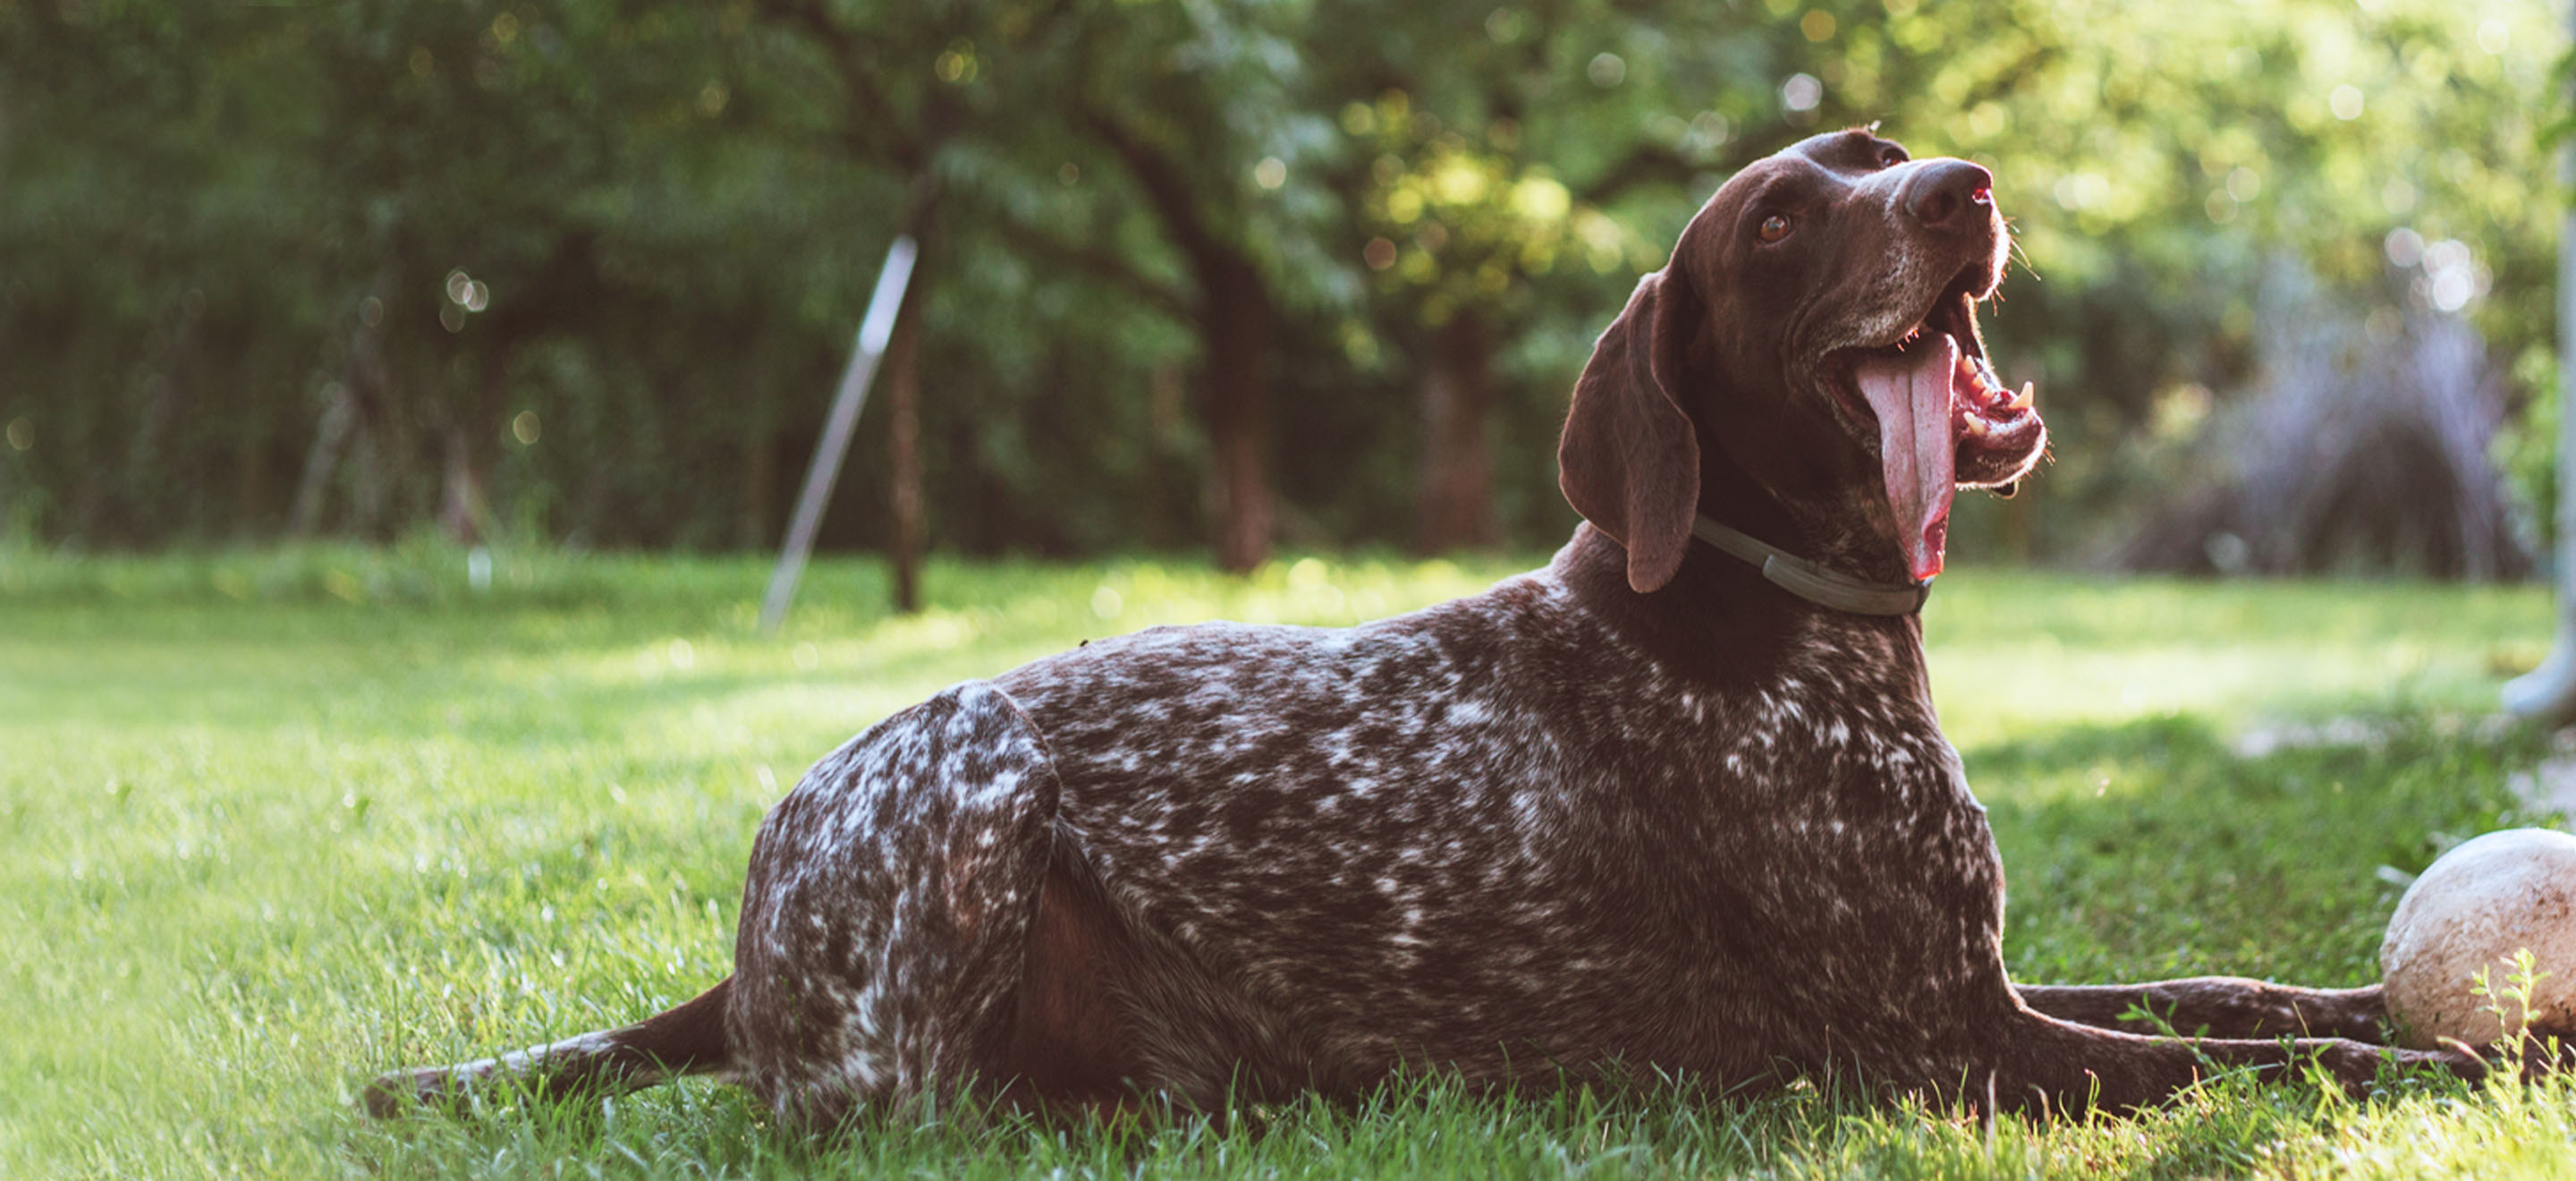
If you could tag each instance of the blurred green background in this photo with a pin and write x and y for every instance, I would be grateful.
(1212, 275)
(317, 294)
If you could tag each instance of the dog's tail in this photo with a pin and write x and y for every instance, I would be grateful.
(689, 1039)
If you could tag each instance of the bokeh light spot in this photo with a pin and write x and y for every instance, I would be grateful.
(1801, 92)
(2405, 247)
(2397, 196)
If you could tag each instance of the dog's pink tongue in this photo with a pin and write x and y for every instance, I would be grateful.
(1911, 395)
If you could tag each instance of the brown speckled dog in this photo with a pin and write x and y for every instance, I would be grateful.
(1646, 805)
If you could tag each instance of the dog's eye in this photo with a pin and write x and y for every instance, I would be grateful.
(1773, 228)
(1891, 157)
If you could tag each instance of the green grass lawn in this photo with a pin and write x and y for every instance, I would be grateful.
(276, 821)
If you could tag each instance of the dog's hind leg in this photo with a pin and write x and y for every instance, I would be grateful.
(887, 916)
(688, 1039)
(2217, 1006)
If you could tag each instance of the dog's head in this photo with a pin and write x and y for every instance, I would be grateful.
(1817, 328)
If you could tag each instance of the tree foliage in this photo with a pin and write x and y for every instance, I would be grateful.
(1198, 272)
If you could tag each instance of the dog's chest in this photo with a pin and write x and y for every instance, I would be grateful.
(1432, 837)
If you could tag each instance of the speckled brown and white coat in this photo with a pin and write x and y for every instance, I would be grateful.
(1641, 806)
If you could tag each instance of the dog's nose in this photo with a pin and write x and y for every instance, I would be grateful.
(1951, 195)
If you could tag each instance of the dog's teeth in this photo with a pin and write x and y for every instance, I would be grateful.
(2020, 401)
(1978, 426)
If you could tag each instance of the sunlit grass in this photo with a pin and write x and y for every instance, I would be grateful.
(278, 820)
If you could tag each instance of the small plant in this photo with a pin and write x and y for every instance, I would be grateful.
(2511, 1005)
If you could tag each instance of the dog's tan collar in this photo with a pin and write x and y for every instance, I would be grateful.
(1813, 582)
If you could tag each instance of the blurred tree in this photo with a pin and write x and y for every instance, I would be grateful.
(879, 106)
(490, 234)
(153, 294)
(1205, 107)
(2152, 192)
(1457, 190)
(1369, 244)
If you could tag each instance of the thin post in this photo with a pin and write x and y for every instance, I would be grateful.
(903, 453)
(874, 331)
(2550, 690)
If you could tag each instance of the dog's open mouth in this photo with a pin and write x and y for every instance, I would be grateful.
(1944, 419)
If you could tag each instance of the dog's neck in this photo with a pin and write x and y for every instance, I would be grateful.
(1850, 534)
(1718, 622)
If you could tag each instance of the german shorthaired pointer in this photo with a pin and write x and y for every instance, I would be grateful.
(1672, 805)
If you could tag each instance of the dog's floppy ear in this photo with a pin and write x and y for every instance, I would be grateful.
(1629, 460)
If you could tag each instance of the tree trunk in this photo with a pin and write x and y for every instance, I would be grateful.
(339, 420)
(250, 483)
(903, 442)
(358, 402)
(759, 475)
(133, 500)
(372, 440)
(465, 507)
(1234, 333)
(1456, 504)
(1167, 406)
(461, 508)
(1235, 329)
(372, 399)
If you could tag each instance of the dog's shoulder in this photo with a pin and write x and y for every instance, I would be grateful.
(1519, 623)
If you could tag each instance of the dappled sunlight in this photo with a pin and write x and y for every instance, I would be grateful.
(2015, 651)
(2156, 848)
(285, 838)
(1993, 693)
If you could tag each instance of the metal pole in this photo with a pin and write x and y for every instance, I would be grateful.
(2550, 690)
(828, 451)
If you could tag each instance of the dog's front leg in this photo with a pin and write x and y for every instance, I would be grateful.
(2051, 1065)
(2216, 1006)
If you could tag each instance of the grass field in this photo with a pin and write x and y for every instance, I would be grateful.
(276, 821)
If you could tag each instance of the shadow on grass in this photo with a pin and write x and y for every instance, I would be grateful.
(1426, 1125)
(2153, 848)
